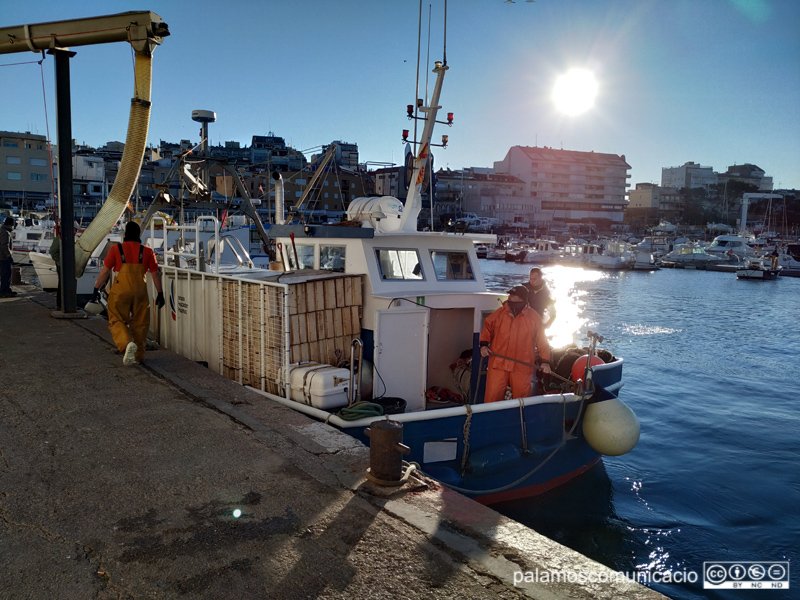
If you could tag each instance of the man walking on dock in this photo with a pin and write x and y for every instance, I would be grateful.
(128, 301)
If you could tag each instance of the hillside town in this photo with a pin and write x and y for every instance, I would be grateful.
(532, 190)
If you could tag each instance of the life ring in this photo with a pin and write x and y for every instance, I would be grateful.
(551, 258)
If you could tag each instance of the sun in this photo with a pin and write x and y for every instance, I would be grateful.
(575, 91)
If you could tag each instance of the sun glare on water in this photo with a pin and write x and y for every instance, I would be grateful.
(575, 91)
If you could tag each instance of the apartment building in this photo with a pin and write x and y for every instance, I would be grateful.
(479, 190)
(749, 174)
(650, 203)
(688, 175)
(566, 186)
(25, 173)
(333, 191)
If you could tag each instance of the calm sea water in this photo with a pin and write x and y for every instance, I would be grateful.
(711, 370)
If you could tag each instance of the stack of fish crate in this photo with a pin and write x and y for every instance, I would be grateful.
(324, 319)
(324, 316)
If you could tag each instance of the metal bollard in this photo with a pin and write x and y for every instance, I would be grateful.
(385, 453)
(16, 275)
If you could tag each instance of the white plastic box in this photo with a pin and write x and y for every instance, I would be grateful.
(318, 385)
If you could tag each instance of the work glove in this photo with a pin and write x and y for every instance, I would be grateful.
(96, 295)
(160, 300)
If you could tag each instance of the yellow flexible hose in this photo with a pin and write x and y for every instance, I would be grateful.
(129, 166)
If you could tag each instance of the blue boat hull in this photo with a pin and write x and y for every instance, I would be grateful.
(509, 456)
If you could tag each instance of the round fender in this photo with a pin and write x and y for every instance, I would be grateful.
(611, 427)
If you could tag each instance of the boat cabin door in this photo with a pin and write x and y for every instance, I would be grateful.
(401, 355)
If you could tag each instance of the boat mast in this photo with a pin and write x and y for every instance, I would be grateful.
(408, 221)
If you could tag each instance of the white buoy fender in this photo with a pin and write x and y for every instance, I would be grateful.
(611, 427)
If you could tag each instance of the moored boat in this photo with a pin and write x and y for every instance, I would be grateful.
(757, 268)
(789, 261)
(724, 246)
(542, 252)
(689, 256)
(406, 307)
(31, 235)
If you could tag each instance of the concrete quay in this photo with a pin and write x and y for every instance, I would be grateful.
(167, 481)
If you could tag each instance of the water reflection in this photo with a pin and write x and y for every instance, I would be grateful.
(566, 289)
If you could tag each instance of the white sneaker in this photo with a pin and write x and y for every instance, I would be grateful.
(130, 354)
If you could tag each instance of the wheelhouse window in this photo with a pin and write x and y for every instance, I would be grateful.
(451, 265)
(305, 256)
(331, 258)
(398, 264)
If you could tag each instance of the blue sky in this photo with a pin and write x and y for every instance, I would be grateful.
(711, 81)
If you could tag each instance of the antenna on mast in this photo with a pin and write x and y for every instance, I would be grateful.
(444, 45)
(416, 89)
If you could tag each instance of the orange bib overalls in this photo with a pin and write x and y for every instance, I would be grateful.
(129, 306)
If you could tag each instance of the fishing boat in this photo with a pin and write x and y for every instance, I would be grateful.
(407, 307)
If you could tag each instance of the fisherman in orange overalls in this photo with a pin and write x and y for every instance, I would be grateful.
(513, 331)
(128, 301)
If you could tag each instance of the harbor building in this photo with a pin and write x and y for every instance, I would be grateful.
(688, 175)
(748, 173)
(567, 186)
(25, 174)
(480, 191)
(390, 181)
(270, 153)
(649, 204)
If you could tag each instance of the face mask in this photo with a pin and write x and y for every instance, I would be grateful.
(516, 306)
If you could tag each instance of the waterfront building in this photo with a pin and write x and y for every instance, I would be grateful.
(270, 153)
(748, 173)
(346, 154)
(649, 204)
(333, 191)
(25, 172)
(688, 175)
(480, 191)
(566, 186)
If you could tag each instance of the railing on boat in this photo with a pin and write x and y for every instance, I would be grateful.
(251, 328)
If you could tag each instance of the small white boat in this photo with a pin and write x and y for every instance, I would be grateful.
(757, 268)
(613, 255)
(658, 246)
(789, 261)
(496, 252)
(31, 234)
(643, 260)
(46, 272)
(542, 252)
(690, 256)
(725, 246)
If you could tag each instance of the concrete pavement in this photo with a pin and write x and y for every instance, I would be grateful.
(124, 482)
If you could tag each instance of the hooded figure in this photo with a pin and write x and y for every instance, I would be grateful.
(128, 301)
(514, 331)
